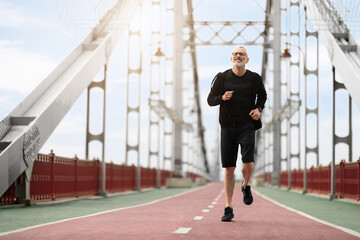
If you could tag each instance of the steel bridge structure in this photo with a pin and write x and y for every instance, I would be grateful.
(177, 138)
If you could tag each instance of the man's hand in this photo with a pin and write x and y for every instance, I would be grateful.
(227, 95)
(255, 114)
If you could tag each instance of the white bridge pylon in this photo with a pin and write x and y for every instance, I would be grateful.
(344, 51)
(29, 125)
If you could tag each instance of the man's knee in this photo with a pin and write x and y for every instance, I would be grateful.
(249, 165)
(230, 171)
(248, 168)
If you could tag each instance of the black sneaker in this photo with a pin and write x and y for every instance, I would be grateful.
(248, 198)
(228, 214)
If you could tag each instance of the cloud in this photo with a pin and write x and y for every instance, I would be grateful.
(72, 125)
(64, 150)
(15, 16)
(11, 15)
(5, 101)
(208, 72)
(5, 43)
(22, 70)
(116, 135)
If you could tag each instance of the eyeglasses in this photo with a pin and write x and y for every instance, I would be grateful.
(241, 54)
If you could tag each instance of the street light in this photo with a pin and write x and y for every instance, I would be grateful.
(157, 54)
(287, 55)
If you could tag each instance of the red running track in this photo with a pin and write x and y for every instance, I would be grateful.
(262, 220)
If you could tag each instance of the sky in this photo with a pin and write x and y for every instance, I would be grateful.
(36, 36)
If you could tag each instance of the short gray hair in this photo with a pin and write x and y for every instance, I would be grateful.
(239, 46)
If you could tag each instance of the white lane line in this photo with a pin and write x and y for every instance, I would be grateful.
(104, 212)
(218, 197)
(206, 210)
(347, 230)
(210, 206)
(182, 230)
(213, 203)
(198, 217)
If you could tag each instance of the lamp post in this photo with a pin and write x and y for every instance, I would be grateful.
(314, 111)
(137, 71)
(287, 54)
(157, 54)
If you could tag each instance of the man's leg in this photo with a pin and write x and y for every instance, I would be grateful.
(247, 171)
(229, 151)
(229, 184)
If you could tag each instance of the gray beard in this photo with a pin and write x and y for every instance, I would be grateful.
(235, 64)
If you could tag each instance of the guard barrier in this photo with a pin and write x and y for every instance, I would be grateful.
(56, 177)
(347, 179)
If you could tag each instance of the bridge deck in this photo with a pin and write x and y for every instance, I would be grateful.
(170, 213)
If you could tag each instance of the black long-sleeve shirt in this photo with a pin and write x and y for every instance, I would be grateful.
(249, 93)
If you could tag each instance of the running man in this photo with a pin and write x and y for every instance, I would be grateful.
(241, 95)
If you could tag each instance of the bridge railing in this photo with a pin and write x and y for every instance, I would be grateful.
(347, 179)
(55, 177)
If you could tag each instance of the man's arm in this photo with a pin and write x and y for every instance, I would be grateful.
(215, 95)
(262, 96)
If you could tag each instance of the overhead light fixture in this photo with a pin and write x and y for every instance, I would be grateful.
(286, 53)
(159, 53)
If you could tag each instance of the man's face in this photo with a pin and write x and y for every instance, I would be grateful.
(239, 57)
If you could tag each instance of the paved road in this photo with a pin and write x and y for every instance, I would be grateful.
(173, 218)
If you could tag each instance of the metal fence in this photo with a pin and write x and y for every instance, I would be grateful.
(55, 177)
(347, 179)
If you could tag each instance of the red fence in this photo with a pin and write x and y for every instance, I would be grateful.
(56, 177)
(265, 176)
(347, 179)
(9, 196)
(297, 179)
(192, 176)
(319, 179)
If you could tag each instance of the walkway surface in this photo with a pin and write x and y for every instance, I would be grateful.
(169, 214)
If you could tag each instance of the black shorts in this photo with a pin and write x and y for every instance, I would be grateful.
(231, 137)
